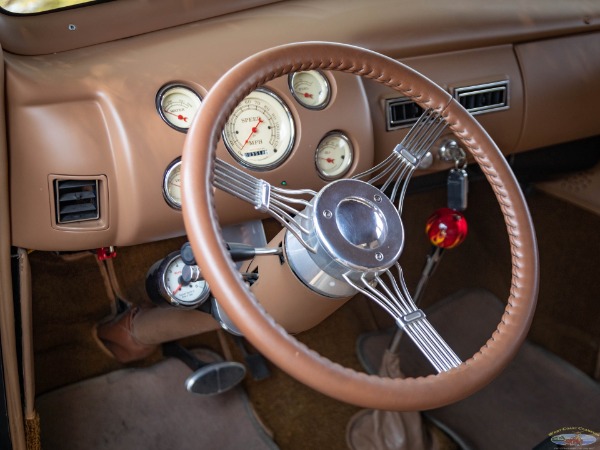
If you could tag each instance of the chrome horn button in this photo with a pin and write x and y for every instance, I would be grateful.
(357, 226)
(355, 231)
(360, 223)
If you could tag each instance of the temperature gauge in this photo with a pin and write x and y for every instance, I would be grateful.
(177, 105)
(334, 155)
(311, 89)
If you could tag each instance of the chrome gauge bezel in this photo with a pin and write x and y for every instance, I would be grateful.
(321, 79)
(173, 168)
(163, 93)
(347, 161)
(167, 293)
(287, 117)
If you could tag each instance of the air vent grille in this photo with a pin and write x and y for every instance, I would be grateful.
(401, 112)
(76, 200)
(484, 97)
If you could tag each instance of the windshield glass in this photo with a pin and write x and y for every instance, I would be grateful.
(36, 6)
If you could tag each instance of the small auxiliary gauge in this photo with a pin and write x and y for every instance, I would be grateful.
(311, 89)
(177, 105)
(172, 184)
(163, 284)
(334, 155)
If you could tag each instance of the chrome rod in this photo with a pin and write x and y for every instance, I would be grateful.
(277, 202)
(392, 295)
(396, 170)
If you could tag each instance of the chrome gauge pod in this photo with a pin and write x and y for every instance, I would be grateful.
(355, 230)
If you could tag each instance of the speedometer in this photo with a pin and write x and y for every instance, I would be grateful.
(260, 131)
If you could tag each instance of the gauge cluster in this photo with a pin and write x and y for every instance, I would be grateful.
(263, 131)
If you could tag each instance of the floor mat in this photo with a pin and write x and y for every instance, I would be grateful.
(148, 409)
(580, 188)
(536, 395)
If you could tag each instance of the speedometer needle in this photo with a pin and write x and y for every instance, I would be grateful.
(254, 130)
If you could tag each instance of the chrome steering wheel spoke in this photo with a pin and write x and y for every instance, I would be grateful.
(394, 298)
(395, 171)
(290, 207)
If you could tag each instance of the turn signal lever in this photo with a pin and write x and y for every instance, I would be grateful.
(239, 252)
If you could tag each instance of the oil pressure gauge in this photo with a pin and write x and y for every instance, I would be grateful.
(177, 105)
(310, 88)
(334, 155)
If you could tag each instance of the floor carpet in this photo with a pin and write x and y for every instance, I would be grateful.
(148, 409)
(536, 395)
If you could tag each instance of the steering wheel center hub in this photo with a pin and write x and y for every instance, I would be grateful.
(355, 231)
(357, 226)
(361, 223)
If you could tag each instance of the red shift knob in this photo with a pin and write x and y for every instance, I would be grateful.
(446, 228)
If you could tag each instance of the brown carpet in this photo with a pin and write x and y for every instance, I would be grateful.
(69, 298)
(537, 394)
(148, 409)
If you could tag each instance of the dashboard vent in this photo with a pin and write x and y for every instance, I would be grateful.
(76, 200)
(401, 112)
(483, 97)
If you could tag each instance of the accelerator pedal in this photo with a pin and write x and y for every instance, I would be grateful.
(207, 378)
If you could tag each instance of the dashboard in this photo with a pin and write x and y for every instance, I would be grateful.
(99, 120)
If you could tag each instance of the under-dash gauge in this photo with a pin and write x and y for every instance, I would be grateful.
(172, 184)
(310, 88)
(260, 131)
(164, 284)
(177, 105)
(334, 155)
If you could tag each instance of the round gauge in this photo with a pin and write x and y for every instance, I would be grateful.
(172, 184)
(260, 131)
(310, 88)
(334, 155)
(177, 105)
(190, 295)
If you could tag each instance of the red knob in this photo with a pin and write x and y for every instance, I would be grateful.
(446, 228)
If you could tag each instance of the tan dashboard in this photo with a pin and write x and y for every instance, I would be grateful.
(89, 115)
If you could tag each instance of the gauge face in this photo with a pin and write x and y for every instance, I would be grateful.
(260, 131)
(190, 295)
(177, 105)
(172, 184)
(334, 155)
(310, 88)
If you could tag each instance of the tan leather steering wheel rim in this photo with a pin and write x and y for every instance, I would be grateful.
(273, 341)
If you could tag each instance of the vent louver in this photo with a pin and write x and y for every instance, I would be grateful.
(483, 97)
(76, 200)
(401, 112)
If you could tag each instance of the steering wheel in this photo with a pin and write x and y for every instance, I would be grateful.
(201, 172)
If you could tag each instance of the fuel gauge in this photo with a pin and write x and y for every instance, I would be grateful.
(177, 105)
(172, 184)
